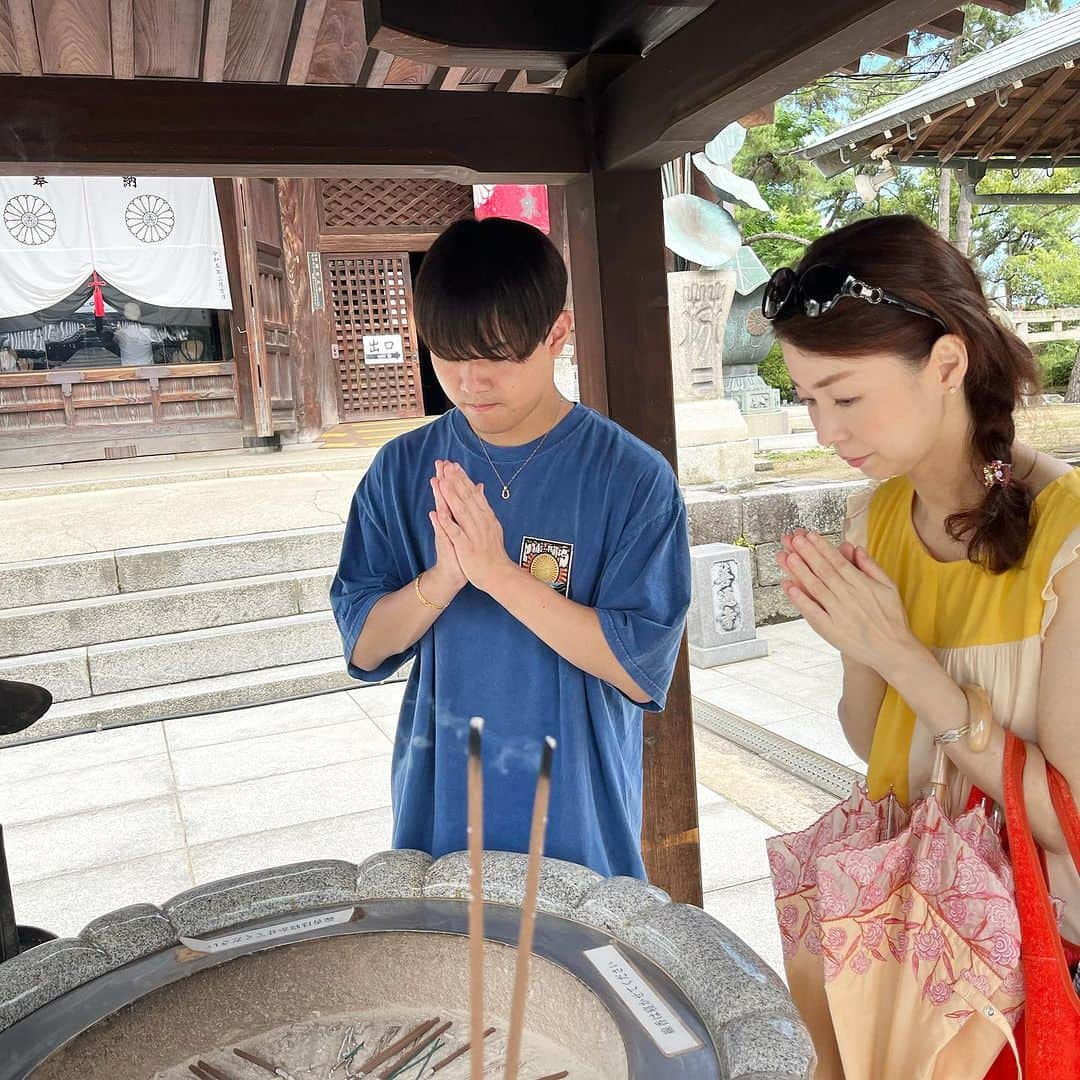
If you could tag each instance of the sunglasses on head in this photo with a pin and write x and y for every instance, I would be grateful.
(820, 287)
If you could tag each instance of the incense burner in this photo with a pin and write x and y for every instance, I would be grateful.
(624, 983)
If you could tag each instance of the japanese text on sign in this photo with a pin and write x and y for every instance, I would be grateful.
(654, 1014)
(383, 349)
(268, 933)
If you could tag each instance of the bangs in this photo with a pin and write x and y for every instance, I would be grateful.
(489, 290)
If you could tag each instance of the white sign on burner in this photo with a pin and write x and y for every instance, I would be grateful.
(650, 1010)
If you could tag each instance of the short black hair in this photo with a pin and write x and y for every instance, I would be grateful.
(489, 290)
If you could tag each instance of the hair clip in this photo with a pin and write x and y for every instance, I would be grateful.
(997, 472)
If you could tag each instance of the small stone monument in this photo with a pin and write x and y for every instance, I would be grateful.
(720, 624)
(712, 435)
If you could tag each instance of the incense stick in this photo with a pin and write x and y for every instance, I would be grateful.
(407, 1039)
(412, 1054)
(457, 1053)
(476, 897)
(528, 911)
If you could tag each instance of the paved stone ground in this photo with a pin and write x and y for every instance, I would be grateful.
(96, 821)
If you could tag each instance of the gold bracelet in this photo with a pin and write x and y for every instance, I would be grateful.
(422, 598)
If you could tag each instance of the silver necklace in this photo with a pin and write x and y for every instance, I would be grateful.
(506, 483)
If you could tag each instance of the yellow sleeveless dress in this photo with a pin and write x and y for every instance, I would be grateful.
(984, 628)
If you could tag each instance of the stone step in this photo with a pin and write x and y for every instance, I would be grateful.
(132, 570)
(192, 698)
(164, 659)
(99, 620)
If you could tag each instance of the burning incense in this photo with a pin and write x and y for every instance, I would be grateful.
(528, 911)
(413, 1053)
(476, 898)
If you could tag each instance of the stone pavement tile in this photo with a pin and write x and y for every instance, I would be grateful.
(353, 837)
(751, 703)
(707, 797)
(712, 678)
(817, 688)
(748, 911)
(797, 656)
(44, 849)
(759, 787)
(65, 904)
(384, 699)
(62, 794)
(796, 632)
(822, 734)
(732, 846)
(317, 711)
(274, 802)
(283, 752)
(28, 760)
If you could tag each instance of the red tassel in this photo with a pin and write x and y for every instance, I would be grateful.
(99, 300)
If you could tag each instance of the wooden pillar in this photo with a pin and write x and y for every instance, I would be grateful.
(247, 309)
(313, 369)
(225, 191)
(615, 225)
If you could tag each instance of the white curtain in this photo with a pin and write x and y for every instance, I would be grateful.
(157, 239)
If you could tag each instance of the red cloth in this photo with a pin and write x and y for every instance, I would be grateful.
(520, 202)
(1048, 1034)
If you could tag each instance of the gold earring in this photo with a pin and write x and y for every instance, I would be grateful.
(953, 389)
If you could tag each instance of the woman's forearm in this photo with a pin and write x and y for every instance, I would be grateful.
(940, 704)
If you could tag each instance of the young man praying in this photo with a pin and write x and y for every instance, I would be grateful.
(530, 555)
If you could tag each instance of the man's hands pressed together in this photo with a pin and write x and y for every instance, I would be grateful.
(464, 521)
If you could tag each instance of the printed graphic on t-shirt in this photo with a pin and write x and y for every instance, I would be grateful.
(548, 561)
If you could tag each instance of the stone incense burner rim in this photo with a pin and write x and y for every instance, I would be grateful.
(743, 1004)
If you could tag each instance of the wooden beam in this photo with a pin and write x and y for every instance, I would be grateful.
(478, 33)
(1003, 7)
(375, 68)
(615, 222)
(217, 37)
(1025, 112)
(122, 20)
(69, 126)
(24, 30)
(1066, 115)
(984, 112)
(911, 145)
(447, 78)
(729, 61)
(948, 26)
(895, 50)
(306, 38)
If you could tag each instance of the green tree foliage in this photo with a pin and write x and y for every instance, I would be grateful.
(1028, 256)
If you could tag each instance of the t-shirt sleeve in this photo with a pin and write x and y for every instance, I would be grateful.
(643, 598)
(368, 571)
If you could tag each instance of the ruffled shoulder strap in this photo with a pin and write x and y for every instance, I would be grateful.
(1065, 556)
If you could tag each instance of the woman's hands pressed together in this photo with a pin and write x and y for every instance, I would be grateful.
(848, 599)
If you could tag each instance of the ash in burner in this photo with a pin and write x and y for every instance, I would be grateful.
(377, 1046)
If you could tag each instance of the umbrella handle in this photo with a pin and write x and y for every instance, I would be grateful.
(938, 787)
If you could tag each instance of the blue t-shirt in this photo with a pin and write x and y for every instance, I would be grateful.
(599, 516)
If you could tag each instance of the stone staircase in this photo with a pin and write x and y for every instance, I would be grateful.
(150, 633)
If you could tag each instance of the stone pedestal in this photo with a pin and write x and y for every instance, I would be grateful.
(714, 443)
(712, 437)
(720, 624)
(767, 424)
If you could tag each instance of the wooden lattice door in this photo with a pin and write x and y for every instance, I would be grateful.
(374, 339)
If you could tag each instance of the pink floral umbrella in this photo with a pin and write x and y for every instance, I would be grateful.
(902, 951)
